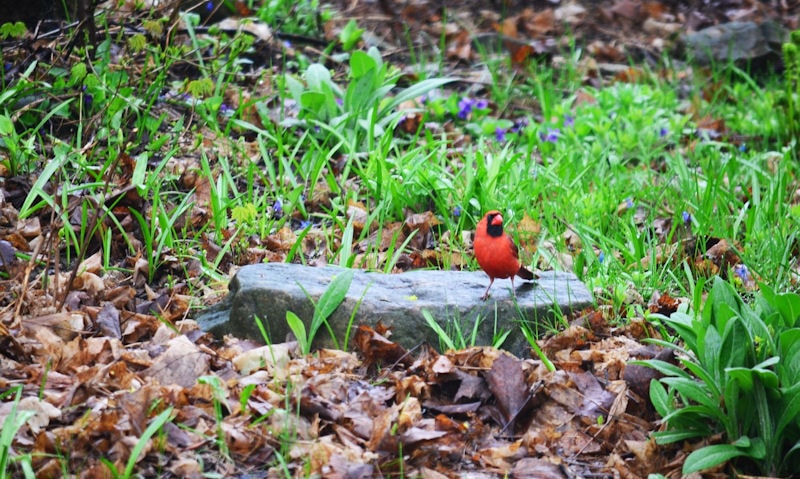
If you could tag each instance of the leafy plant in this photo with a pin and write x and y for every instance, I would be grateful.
(740, 377)
(327, 304)
(350, 35)
(363, 110)
(306, 17)
(12, 30)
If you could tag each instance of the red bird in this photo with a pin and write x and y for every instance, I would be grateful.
(496, 252)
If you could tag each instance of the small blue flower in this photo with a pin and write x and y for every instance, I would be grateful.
(500, 134)
(743, 147)
(339, 101)
(569, 121)
(277, 207)
(305, 224)
(629, 202)
(601, 257)
(482, 104)
(457, 211)
(287, 44)
(741, 272)
(687, 217)
(663, 132)
(209, 6)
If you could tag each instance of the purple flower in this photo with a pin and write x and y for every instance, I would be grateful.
(551, 136)
(519, 125)
(687, 217)
(629, 202)
(287, 44)
(339, 101)
(277, 208)
(663, 132)
(457, 211)
(87, 97)
(569, 121)
(465, 107)
(500, 134)
(209, 6)
(305, 224)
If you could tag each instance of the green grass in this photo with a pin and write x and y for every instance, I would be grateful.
(568, 165)
(202, 167)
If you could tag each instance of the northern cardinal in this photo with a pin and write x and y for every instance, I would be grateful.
(496, 252)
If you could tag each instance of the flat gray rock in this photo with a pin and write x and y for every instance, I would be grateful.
(268, 291)
(735, 41)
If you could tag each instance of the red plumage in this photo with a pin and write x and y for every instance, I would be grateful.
(496, 252)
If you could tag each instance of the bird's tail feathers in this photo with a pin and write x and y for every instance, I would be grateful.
(525, 273)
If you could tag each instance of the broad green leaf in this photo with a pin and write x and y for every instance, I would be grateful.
(694, 418)
(713, 383)
(687, 328)
(139, 177)
(361, 64)
(350, 35)
(788, 304)
(737, 346)
(333, 295)
(723, 295)
(693, 390)
(711, 456)
(6, 125)
(317, 75)
(789, 409)
(659, 397)
(708, 352)
(299, 331)
(670, 437)
(312, 101)
(295, 87)
(789, 349)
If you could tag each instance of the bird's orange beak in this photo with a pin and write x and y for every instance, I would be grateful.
(497, 220)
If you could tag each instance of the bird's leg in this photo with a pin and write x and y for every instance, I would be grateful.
(486, 294)
(513, 289)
